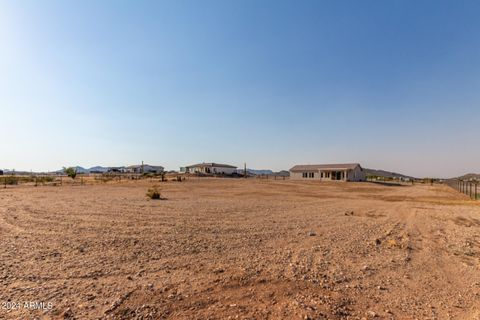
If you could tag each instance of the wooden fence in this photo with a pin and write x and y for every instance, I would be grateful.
(32, 180)
(7, 181)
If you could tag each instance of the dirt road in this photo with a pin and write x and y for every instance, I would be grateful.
(232, 248)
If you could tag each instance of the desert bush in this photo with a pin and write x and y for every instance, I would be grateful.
(10, 180)
(41, 179)
(104, 178)
(45, 179)
(15, 180)
(153, 193)
(71, 172)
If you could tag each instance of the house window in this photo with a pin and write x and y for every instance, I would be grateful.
(304, 174)
(311, 174)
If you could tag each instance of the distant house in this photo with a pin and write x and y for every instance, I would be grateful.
(328, 172)
(116, 170)
(210, 168)
(145, 168)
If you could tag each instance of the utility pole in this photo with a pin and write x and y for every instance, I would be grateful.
(245, 169)
(142, 166)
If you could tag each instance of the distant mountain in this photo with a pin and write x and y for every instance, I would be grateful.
(78, 168)
(86, 171)
(470, 176)
(98, 169)
(10, 172)
(81, 169)
(265, 172)
(386, 174)
(282, 173)
(255, 171)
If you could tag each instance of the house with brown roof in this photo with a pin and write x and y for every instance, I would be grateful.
(211, 168)
(328, 172)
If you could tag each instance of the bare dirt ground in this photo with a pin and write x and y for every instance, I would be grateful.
(255, 249)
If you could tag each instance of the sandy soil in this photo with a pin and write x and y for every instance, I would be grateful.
(255, 249)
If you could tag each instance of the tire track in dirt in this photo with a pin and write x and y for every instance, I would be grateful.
(8, 214)
(220, 248)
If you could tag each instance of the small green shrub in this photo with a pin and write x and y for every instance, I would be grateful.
(10, 180)
(44, 179)
(15, 180)
(71, 172)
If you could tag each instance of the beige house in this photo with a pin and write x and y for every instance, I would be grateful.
(328, 172)
(144, 168)
(210, 168)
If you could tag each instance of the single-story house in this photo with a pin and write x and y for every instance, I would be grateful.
(116, 170)
(144, 168)
(210, 168)
(328, 172)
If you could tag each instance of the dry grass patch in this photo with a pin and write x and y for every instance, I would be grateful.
(153, 193)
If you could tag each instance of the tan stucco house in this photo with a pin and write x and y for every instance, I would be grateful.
(328, 172)
(210, 168)
(144, 168)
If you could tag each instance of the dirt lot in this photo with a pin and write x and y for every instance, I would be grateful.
(254, 249)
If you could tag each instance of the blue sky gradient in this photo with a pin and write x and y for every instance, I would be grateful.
(393, 85)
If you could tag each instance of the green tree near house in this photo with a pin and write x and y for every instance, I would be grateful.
(71, 172)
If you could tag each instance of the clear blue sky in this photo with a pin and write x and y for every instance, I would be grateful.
(390, 84)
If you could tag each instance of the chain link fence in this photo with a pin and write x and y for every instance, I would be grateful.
(469, 187)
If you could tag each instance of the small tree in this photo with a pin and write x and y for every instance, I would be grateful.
(71, 172)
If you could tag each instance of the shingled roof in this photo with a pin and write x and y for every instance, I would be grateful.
(325, 167)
